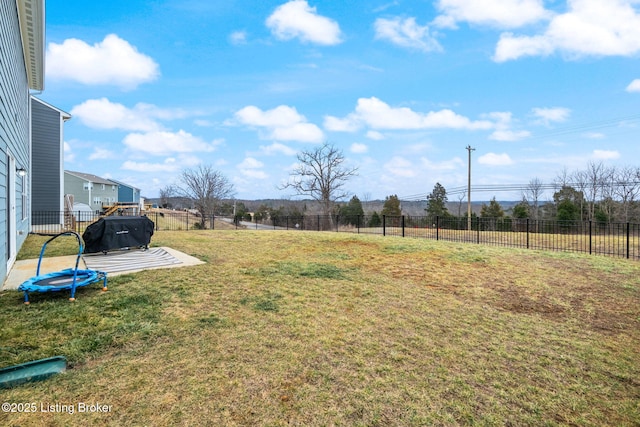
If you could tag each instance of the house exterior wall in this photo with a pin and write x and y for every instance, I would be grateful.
(90, 193)
(47, 161)
(14, 138)
(125, 194)
(128, 194)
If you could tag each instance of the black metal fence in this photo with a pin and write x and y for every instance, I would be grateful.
(611, 239)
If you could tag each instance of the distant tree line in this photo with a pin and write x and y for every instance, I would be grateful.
(599, 193)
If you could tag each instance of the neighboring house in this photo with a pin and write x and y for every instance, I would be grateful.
(90, 189)
(21, 69)
(47, 163)
(127, 193)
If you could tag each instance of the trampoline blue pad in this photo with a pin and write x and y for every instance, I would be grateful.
(61, 280)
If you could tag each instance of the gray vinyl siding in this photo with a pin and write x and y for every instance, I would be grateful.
(75, 185)
(14, 124)
(46, 188)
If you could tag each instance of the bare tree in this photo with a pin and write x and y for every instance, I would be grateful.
(461, 198)
(627, 188)
(366, 198)
(206, 187)
(608, 191)
(594, 174)
(562, 179)
(165, 193)
(580, 183)
(532, 194)
(321, 175)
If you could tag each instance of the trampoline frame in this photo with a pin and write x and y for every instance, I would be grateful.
(78, 277)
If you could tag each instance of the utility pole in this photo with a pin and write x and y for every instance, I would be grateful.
(469, 149)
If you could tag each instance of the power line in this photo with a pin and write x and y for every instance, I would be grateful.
(517, 187)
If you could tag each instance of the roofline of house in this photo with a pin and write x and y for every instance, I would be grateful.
(84, 176)
(65, 116)
(124, 183)
(31, 16)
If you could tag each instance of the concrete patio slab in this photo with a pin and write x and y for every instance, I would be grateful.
(25, 269)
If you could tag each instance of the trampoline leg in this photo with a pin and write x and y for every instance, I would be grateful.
(104, 284)
(73, 294)
(26, 298)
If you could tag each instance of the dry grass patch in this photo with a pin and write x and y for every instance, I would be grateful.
(282, 328)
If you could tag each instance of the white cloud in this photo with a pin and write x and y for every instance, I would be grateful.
(69, 156)
(251, 163)
(297, 19)
(554, 114)
(251, 168)
(335, 124)
(104, 114)
(101, 154)
(503, 128)
(282, 123)
(493, 159)
(605, 155)
(169, 165)
(359, 148)
(111, 62)
(379, 115)
(448, 165)
(163, 143)
(399, 166)
(375, 135)
(406, 33)
(634, 86)
(238, 37)
(589, 27)
(276, 148)
(495, 13)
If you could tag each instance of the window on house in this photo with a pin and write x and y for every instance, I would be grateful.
(87, 186)
(97, 200)
(103, 187)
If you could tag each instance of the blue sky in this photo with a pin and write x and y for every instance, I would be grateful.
(401, 87)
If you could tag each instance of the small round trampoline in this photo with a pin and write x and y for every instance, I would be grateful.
(67, 279)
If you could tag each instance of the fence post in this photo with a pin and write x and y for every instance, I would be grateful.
(437, 227)
(590, 237)
(402, 225)
(478, 233)
(384, 225)
(337, 222)
(527, 233)
(628, 235)
(358, 223)
(318, 222)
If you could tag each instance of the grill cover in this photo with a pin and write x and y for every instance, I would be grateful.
(118, 232)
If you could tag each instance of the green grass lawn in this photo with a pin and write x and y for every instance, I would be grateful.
(296, 328)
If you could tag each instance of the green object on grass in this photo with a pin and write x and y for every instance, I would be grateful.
(36, 370)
